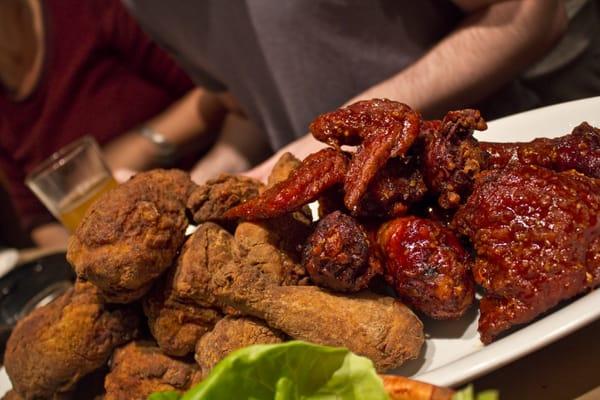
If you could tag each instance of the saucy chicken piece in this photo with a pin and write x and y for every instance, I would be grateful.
(339, 254)
(382, 129)
(317, 173)
(56, 345)
(132, 234)
(427, 266)
(176, 326)
(451, 156)
(230, 334)
(580, 150)
(535, 232)
(140, 369)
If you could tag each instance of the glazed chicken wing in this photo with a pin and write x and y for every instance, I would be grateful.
(427, 266)
(536, 233)
(132, 234)
(580, 150)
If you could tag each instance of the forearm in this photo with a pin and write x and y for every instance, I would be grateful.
(490, 47)
(186, 122)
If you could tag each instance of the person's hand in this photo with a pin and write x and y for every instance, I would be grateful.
(122, 174)
(299, 148)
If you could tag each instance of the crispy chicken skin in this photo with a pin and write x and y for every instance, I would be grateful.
(56, 345)
(339, 254)
(427, 266)
(451, 156)
(230, 334)
(210, 201)
(579, 150)
(536, 234)
(132, 234)
(176, 326)
(380, 328)
(140, 369)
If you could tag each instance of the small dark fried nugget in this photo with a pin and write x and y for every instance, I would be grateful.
(132, 234)
(176, 326)
(210, 201)
(140, 369)
(339, 254)
(230, 334)
(56, 345)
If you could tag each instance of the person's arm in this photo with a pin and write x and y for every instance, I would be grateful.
(186, 122)
(493, 44)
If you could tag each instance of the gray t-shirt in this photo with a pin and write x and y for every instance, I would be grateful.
(287, 61)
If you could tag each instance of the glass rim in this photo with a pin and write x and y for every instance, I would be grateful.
(53, 162)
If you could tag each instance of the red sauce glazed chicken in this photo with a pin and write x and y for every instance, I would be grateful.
(529, 210)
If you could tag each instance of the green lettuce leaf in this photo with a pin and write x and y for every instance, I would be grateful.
(290, 371)
(165, 396)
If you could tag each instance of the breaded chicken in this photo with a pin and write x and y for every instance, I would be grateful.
(176, 326)
(56, 345)
(140, 369)
(132, 234)
(230, 334)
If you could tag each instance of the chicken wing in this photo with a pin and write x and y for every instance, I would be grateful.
(536, 234)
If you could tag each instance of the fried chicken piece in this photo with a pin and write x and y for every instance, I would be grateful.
(452, 157)
(396, 187)
(230, 334)
(283, 168)
(377, 327)
(210, 201)
(140, 369)
(339, 254)
(427, 266)
(317, 173)
(12, 395)
(56, 345)
(176, 326)
(132, 234)
(382, 129)
(380, 328)
(580, 150)
(535, 232)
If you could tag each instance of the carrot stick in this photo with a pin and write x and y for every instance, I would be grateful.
(401, 388)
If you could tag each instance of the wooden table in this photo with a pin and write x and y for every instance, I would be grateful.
(566, 369)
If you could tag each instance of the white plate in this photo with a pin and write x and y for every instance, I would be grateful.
(453, 353)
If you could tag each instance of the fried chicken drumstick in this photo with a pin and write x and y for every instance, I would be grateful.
(537, 235)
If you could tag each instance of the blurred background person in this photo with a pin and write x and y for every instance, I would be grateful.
(70, 68)
(288, 62)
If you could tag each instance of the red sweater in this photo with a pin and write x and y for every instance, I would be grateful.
(102, 76)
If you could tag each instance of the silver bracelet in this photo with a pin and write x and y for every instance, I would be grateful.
(166, 150)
